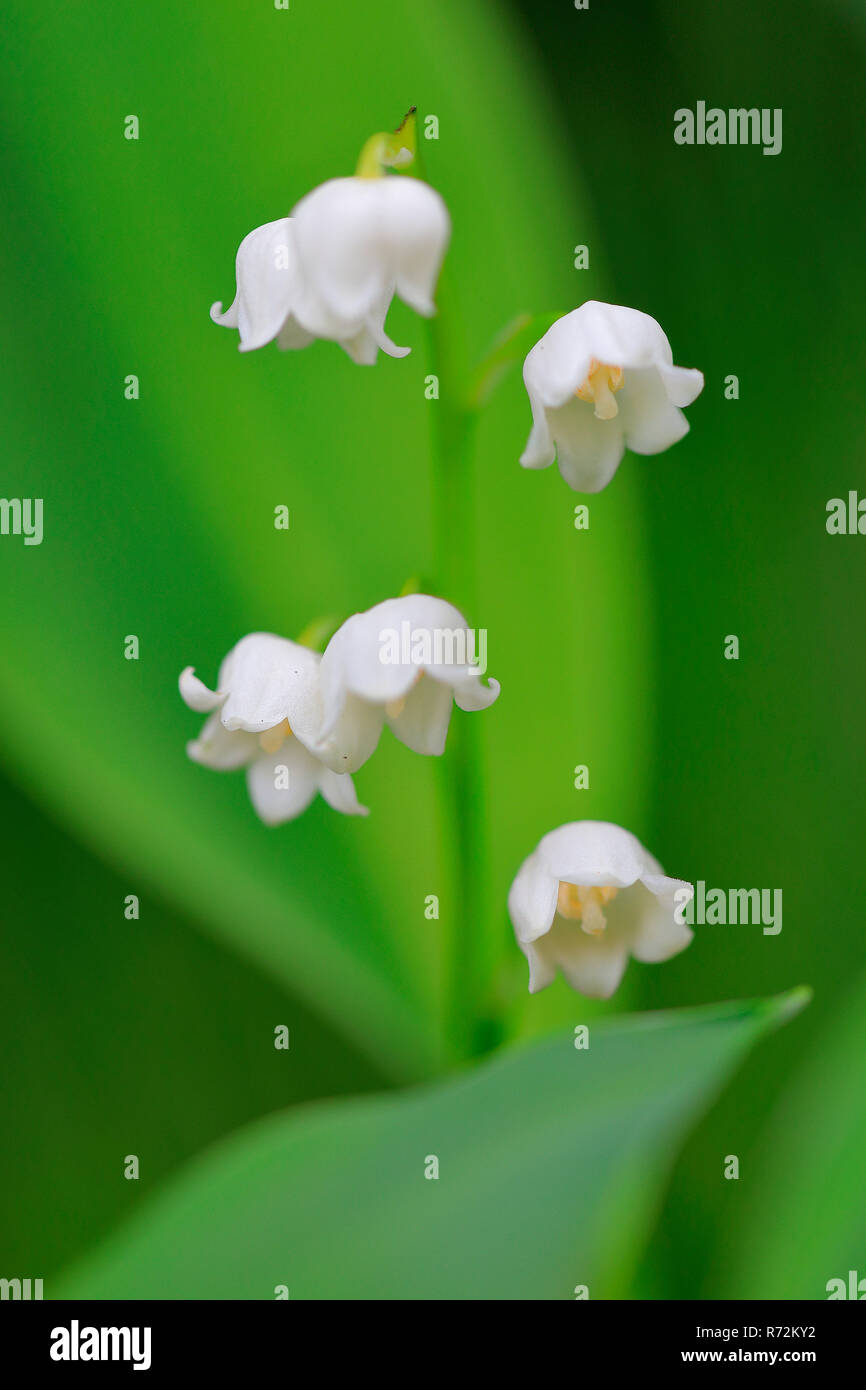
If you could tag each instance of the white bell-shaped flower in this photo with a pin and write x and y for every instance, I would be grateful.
(587, 898)
(404, 662)
(601, 380)
(268, 284)
(331, 269)
(265, 715)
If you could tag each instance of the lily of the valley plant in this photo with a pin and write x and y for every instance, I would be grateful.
(300, 723)
(331, 269)
(587, 898)
(602, 379)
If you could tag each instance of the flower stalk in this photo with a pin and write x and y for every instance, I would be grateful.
(469, 1028)
(389, 149)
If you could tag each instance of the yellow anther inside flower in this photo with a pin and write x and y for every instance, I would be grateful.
(272, 739)
(598, 386)
(584, 905)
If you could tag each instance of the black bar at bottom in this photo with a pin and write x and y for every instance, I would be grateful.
(219, 1339)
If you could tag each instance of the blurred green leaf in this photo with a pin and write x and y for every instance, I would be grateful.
(800, 1217)
(510, 347)
(128, 1036)
(551, 1159)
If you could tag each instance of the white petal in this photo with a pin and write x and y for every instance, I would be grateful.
(417, 229)
(660, 937)
(472, 694)
(422, 723)
(588, 450)
(221, 750)
(463, 677)
(343, 253)
(532, 899)
(271, 679)
(622, 337)
(540, 450)
(358, 657)
(649, 421)
(339, 792)
(610, 333)
(593, 965)
(292, 335)
(378, 654)
(350, 732)
(656, 934)
(683, 384)
(542, 968)
(596, 853)
(376, 329)
(195, 693)
(363, 348)
(356, 661)
(558, 363)
(267, 284)
(315, 317)
(227, 319)
(277, 803)
(662, 886)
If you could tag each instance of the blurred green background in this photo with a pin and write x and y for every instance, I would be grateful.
(155, 1037)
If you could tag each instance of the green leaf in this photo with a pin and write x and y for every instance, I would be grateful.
(128, 1035)
(551, 1160)
(510, 347)
(801, 1220)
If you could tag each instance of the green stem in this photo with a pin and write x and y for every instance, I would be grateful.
(460, 774)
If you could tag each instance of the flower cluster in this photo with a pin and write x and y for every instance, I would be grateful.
(600, 380)
(302, 723)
